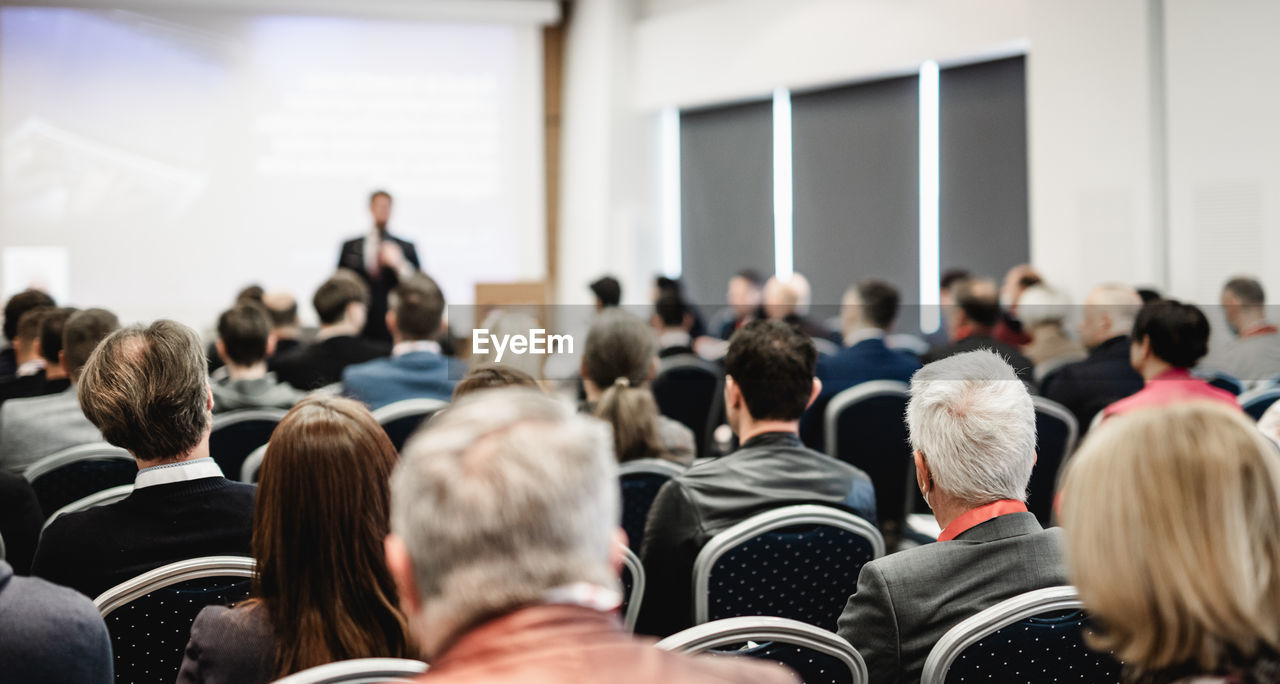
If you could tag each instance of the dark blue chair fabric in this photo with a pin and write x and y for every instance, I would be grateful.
(230, 445)
(74, 481)
(148, 635)
(638, 492)
(1259, 404)
(872, 435)
(687, 393)
(1040, 650)
(401, 429)
(1051, 450)
(803, 572)
(1225, 382)
(812, 666)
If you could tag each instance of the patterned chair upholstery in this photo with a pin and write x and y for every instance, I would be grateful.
(797, 562)
(360, 671)
(818, 656)
(632, 587)
(866, 426)
(149, 617)
(640, 481)
(237, 433)
(1257, 402)
(685, 390)
(78, 472)
(1056, 432)
(1037, 637)
(402, 418)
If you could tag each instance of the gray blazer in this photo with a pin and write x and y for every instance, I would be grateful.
(33, 428)
(906, 601)
(231, 645)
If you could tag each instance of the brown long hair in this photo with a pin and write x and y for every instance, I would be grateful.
(322, 514)
(633, 413)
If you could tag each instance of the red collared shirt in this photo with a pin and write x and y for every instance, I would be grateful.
(976, 516)
(1258, 330)
(1173, 385)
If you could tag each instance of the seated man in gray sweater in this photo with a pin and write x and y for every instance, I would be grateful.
(244, 343)
(973, 429)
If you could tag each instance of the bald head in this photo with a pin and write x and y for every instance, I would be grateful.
(1108, 312)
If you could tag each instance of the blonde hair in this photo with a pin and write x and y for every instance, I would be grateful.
(1172, 525)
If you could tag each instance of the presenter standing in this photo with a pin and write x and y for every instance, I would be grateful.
(382, 260)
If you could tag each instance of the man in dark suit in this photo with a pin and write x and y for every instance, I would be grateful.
(867, 312)
(381, 260)
(147, 390)
(342, 303)
(971, 324)
(13, 309)
(975, 446)
(1105, 376)
(417, 368)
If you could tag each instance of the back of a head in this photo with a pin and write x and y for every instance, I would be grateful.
(29, 326)
(1042, 305)
(670, 310)
(81, 333)
(781, 299)
(619, 345)
(1119, 302)
(1172, 528)
(632, 412)
(19, 304)
(503, 497)
(1247, 291)
(951, 276)
(608, 291)
(751, 277)
(1178, 333)
(251, 294)
(146, 389)
(975, 423)
(245, 331)
(323, 511)
(489, 376)
(53, 324)
(772, 364)
(879, 302)
(282, 308)
(979, 299)
(336, 294)
(418, 305)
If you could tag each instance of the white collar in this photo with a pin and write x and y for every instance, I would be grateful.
(674, 338)
(584, 594)
(862, 335)
(410, 346)
(30, 368)
(182, 471)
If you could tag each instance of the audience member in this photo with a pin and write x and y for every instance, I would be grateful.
(672, 322)
(251, 294)
(745, 297)
(1254, 354)
(971, 323)
(973, 429)
(20, 521)
(633, 414)
(866, 315)
(1043, 312)
(950, 277)
(244, 343)
(282, 309)
(13, 309)
(381, 261)
(146, 389)
(1171, 519)
(26, 344)
(664, 285)
(417, 368)
(322, 591)
(32, 378)
(1168, 338)
(35, 427)
(1148, 295)
(1105, 375)
(487, 376)
(768, 385)
(504, 322)
(1009, 329)
(608, 292)
(788, 300)
(506, 551)
(342, 305)
(52, 635)
(620, 347)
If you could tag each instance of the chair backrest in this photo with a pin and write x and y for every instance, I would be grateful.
(632, 587)
(640, 480)
(1034, 637)
(401, 418)
(813, 555)
(817, 655)
(149, 617)
(236, 434)
(685, 390)
(74, 473)
(1257, 402)
(253, 464)
(866, 426)
(1056, 435)
(359, 671)
(1222, 381)
(102, 498)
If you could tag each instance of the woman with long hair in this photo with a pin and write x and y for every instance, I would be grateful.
(321, 591)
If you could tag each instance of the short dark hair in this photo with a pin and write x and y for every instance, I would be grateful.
(751, 276)
(283, 314)
(379, 193)
(983, 308)
(1247, 290)
(492, 376)
(81, 334)
(951, 275)
(772, 363)
(339, 291)
(252, 293)
(418, 305)
(665, 284)
(1148, 295)
(29, 324)
(19, 304)
(670, 309)
(879, 302)
(1178, 333)
(608, 291)
(244, 330)
(53, 323)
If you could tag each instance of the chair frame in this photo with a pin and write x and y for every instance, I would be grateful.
(1064, 414)
(92, 451)
(99, 498)
(858, 393)
(651, 466)
(977, 627)
(407, 407)
(358, 669)
(736, 630)
(252, 464)
(631, 562)
(168, 575)
(785, 516)
(222, 420)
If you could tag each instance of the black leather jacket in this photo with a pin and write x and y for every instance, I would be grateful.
(767, 472)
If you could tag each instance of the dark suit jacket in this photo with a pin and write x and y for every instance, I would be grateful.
(34, 385)
(867, 360)
(229, 646)
(94, 550)
(20, 521)
(353, 258)
(1021, 364)
(322, 363)
(417, 374)
(907, 600)
(1086, 387)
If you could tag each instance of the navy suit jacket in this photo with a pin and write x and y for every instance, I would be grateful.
(353, 258)
(867, 360)
(420, 374)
